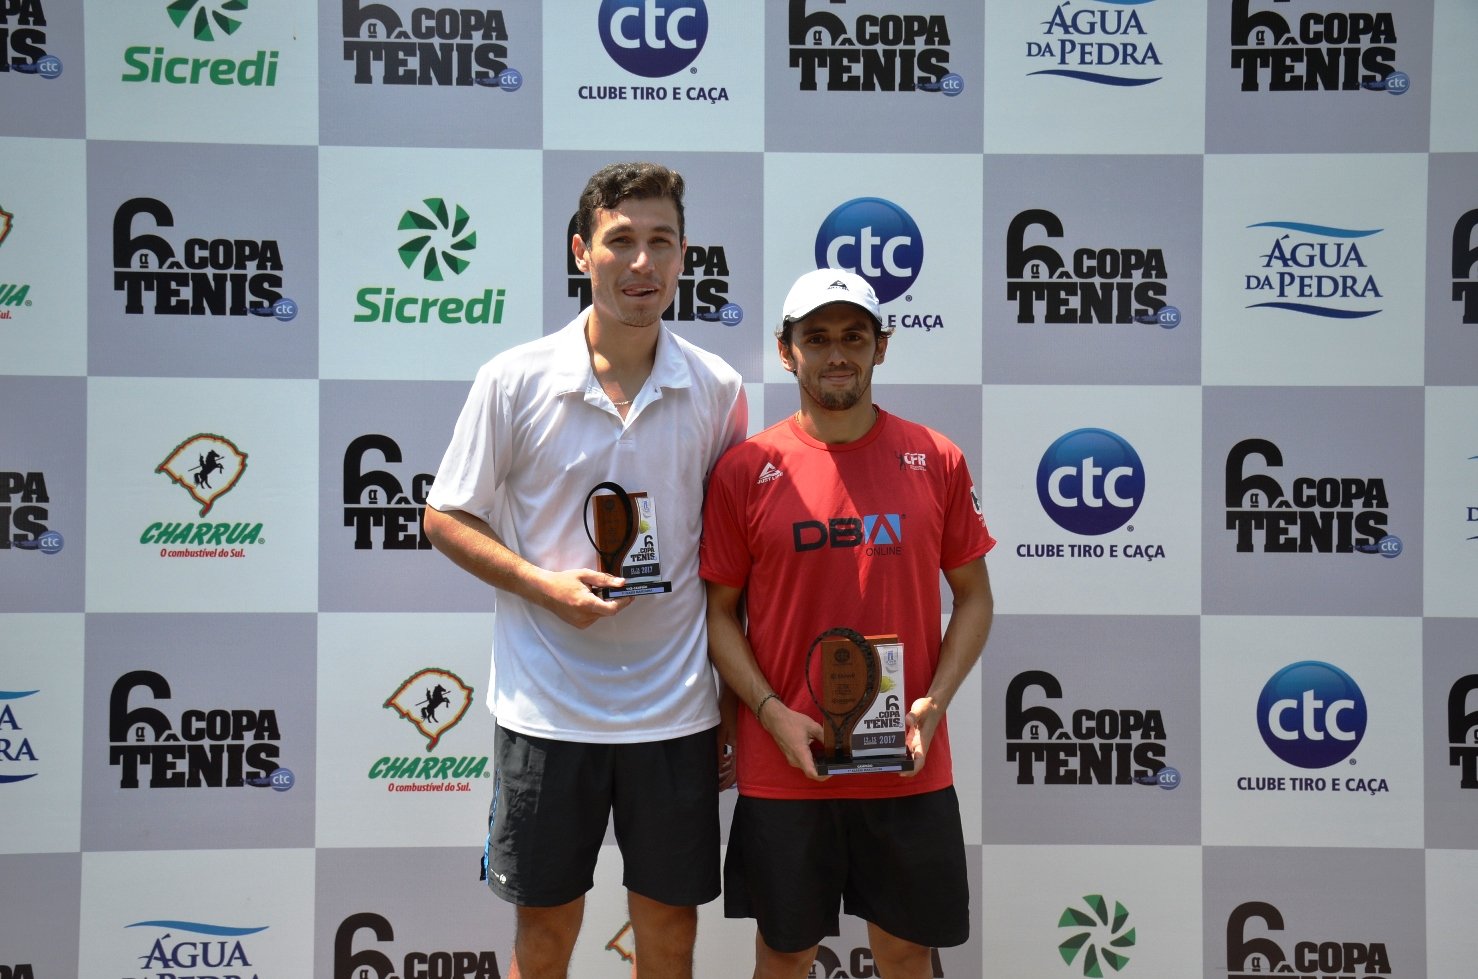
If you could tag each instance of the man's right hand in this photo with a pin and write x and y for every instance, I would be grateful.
(793, 732)
(571, 595)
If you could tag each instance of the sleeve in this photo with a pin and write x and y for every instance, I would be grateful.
(723, 550)
(474, 467)
(966, 536)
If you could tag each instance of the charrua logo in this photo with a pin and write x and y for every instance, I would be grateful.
(23, 510)
(22, 34)
(206, 467)
(1102, 939)
(1287, 48)
(1464, 266)
(1315, 514)
(206, 276)
(213, 747)
(1096, 285)
(1094, 746)
(430, 46)
(1099, 42)
(441, 240)
(1091, 482)
(433, 701)
(702, 286)
(1256, 958)
(371, 963)
(17, 757)
(12, 294)
(444, 699)
(203, 22)
(878, 240)
(1316, 270)
(1462, 730)
(376, 500)
(874, 53)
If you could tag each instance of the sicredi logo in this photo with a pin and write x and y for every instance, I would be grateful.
(653, 38)
(1311, 714)
(1090, 481)
(875, 238)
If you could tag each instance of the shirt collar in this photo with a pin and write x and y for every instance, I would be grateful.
(570, 372)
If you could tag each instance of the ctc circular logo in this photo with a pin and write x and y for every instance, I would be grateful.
(653, 38)
(1311, 714)
(875, 238)
(1090, 481)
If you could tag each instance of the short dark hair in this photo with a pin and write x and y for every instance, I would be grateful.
(616, 182)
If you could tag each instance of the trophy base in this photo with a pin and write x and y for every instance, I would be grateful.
(635, 588)
(864, 766)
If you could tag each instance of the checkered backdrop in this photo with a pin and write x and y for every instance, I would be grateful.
(1195, 287)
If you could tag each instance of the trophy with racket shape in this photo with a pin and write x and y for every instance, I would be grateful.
(849, 670)
(622, 527)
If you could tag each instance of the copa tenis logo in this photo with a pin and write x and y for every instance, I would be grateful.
(653, 38)
(875, 238)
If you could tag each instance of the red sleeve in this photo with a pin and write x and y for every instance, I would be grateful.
(723, 550)
(966, 536)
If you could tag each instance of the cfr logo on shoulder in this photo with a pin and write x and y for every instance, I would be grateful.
(1090, 481)
(875, 238)
(1311, 714)
(653, 38)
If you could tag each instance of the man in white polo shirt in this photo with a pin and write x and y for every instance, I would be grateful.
(604, 705)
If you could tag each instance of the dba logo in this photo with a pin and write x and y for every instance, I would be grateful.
(875, 238)
(653, 38)
(1311, 714)
(1090, 481)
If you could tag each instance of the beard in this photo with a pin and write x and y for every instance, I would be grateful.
(837, 400)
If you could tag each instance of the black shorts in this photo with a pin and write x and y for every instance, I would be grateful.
(552, 800)
(898, 863)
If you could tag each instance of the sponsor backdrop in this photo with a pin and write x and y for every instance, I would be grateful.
(1195, 287)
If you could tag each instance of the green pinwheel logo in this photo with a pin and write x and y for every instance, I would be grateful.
(1102, 940)
(445, 235)
(202, 14)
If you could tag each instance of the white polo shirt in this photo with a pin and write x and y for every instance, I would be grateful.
(535, 437)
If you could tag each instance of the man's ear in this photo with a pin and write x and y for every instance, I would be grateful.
(785, 358)
(581, 253)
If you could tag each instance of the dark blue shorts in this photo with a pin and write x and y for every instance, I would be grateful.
(898, 863)
(552, 801)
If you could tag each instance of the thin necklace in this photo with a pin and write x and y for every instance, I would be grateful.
(621, 404)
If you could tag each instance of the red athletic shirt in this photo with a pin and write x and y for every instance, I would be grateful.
(825, 536)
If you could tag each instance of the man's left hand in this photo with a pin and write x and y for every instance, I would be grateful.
(922, 718)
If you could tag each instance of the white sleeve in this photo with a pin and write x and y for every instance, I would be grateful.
(474, 467)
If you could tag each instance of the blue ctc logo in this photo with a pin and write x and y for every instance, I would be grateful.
(1090, 481)
(653, 38)
(875, 238)
(1311, 714)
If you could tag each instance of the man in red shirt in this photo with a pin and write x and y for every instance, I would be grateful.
(842, 517)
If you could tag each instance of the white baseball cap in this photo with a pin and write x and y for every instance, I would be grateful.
(819, 287)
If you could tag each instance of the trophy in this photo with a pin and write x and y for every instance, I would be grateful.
(861, 699)
(624, 534)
